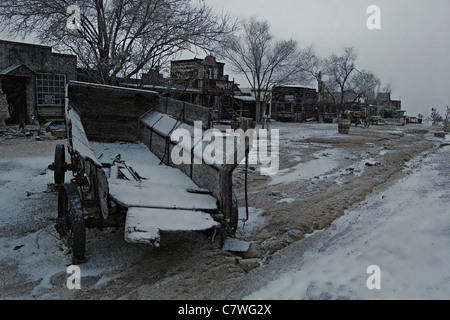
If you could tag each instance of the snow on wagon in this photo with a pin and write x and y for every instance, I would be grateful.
(119, 142)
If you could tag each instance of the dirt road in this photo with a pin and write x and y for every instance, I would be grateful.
(322, 173)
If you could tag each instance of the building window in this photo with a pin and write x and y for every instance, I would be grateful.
(209, 73)
(289, 98)
(50, 89)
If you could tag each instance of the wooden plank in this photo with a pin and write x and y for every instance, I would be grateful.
(144, 226)
(80, 142)
(126, 173)
(148, 195)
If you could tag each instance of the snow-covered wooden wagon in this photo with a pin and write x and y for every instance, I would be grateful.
(119, 144)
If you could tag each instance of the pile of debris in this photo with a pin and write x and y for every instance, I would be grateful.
(37, 132)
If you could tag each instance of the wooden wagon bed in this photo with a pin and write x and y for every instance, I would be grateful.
(159, 198)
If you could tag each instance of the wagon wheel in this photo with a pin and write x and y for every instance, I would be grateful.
(70, 222)
(60, 164)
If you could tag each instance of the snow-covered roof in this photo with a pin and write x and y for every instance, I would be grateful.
(246, 90)
(245, 98)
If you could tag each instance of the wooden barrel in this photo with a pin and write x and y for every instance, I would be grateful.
(344, 126)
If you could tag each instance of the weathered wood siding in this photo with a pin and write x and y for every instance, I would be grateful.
(204, 175)
(110, 113)
(185, 112)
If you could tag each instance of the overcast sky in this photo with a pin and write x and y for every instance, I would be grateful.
(412, 49)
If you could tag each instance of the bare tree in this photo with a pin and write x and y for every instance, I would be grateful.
(435, 116)
(447, 120)
(117, 38)
(364, 84)
(262, 60)
(387, 88)
(342, 77)
(338, 71)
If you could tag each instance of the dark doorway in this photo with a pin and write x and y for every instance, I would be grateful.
(15, 90)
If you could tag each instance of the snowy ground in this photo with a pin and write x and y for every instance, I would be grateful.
(405, 231)
(402, 227)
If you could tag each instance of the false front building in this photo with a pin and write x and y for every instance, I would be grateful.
(203, 82)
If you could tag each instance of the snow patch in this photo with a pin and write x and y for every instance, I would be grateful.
(403, 230)
(325, 161)
(255, 221)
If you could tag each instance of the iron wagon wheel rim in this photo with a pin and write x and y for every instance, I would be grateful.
(60, 164)
(70, 223)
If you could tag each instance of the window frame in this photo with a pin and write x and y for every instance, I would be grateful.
(52, 86)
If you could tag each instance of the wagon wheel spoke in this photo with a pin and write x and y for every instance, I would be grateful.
(70, 222)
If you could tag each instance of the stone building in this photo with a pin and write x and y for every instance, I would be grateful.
(32, 80)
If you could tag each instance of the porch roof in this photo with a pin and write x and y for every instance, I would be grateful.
(20, 70)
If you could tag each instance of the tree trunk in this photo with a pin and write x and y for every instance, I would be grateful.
(258, 111)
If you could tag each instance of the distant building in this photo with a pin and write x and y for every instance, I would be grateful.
(196, 81)
(203, 82)
(244, 102)
(350, 101)
(245, 106)
(388, 108)
(33, 80)
(294, 103)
